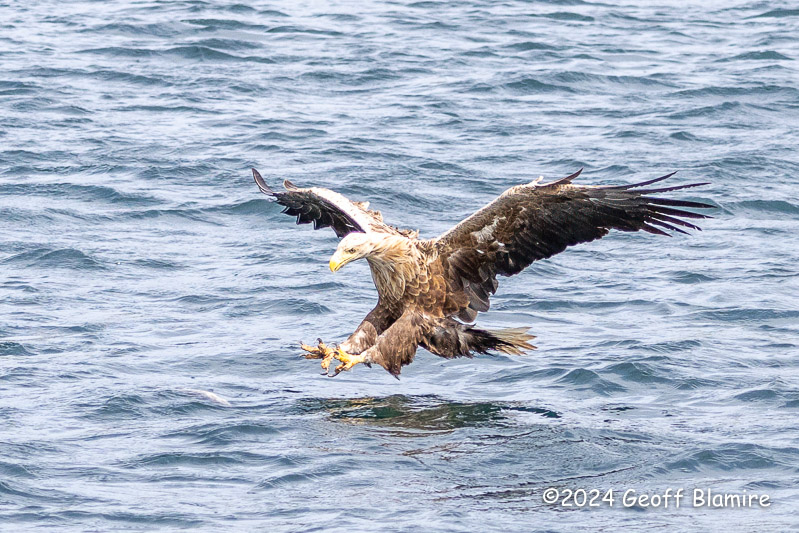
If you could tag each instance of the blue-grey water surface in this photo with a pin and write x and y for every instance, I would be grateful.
(142, 270)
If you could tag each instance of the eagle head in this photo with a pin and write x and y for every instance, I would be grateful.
(353, 246)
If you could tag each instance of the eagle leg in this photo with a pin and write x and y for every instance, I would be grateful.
(347, 360)
(321, 351)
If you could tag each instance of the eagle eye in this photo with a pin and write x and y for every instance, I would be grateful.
(350, 250)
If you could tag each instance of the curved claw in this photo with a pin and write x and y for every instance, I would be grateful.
(322, 351)
(310, 349)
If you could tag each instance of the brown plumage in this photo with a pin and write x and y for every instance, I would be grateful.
(430, 290)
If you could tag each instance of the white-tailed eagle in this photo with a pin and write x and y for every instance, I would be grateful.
(430, 290)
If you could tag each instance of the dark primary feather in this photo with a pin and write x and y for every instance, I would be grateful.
(309, 207)
(531, 222)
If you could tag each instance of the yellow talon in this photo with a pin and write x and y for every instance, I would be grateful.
(347, 360)
(321, 351)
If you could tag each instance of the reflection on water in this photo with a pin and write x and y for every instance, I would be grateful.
(421, 413)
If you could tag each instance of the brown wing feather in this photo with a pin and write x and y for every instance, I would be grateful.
(373, 325)
(325, 208)
(532, 222)
(397, 345)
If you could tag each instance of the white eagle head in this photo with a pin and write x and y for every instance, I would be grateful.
(353, 246)
(359, 245)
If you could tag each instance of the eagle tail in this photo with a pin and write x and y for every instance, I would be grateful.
(454, 339)
(512, 341)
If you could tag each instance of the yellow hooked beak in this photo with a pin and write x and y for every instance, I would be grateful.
(338, 261)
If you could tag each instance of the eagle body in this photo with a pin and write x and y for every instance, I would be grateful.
(430, 291)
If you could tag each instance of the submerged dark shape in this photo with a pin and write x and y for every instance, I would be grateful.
(430, 290)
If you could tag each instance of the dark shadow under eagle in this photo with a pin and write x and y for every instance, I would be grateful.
(430, 290)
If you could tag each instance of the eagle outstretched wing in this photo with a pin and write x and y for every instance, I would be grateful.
(326, 208)
(531, 222)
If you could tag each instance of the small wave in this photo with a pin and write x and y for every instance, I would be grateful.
(83, 215)
(637, 372)
(159, 264)
(19, 286)
(90, 193)
(778, 13)
(706, 111)
(6, 84)
(240, 8)
(137, 30)
(301, 29)
(285, 306)
(227, 44)
(225, 24)
(758, 395)
(193, 110)
(196, 215)
(534, 86)
(375, 75)
(272, 13)
(592, 80)
(524, 376)
(40, 104)
(672, 346)
(118, 407)
(12, 88)
(12, 348)
(684, 136)
(568, 3)
(694, 383)
(194, 52)
(567, 16)
(223, 434)
(257, 206)
(205, 53)
(63, 258)
(580, 376)
(583, 378)
(715, 90)
(552, 304)
(690, 277)
(120, 51)
(748, 315)
(780, 207)
(768, 55)
(733, 457)
(530, 45)
(135, 519)
(202, 459)
(483, 51)
(10, 490)
(292, 480)
(204, 302)
(278, 136)
(15, 470)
